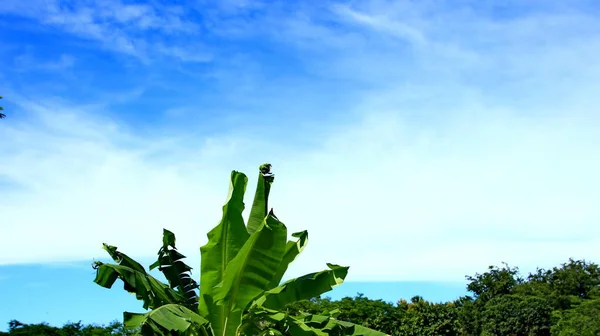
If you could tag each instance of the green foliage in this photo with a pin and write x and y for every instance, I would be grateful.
(516, 315)
(504, 304)
(496, 281)
(576, 278)
(420, 317)
(469, 316)
(376, 314)
(562, 301)
(260, 206)
(583, 320)
(178, 274)
(241, 292)
(241, 270)
(70, 329)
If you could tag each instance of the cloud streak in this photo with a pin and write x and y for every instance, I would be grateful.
(129, 28)
(453, 138)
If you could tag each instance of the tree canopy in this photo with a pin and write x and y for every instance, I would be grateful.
(564, 300)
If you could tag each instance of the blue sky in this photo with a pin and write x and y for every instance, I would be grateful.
(416, 141)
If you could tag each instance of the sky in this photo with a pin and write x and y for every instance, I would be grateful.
(416, 141)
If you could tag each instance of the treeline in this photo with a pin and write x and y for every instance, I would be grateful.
(70, 329)
(564, 301)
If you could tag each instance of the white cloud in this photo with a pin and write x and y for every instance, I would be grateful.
(383, 24)
(27, 62)
(472, 152)
(130, 29)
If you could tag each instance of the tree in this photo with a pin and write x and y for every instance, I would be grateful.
(241, 271)
(42, 329)
(415, 318)
(469, 316)
(496, 281)
(565, 286)
(505, 305)
(576, 278)
(69, 329)
(376, 314)
(583, 320)
(516, 315)
(423, 318)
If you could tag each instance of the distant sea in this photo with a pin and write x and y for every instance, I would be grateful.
(396, 290)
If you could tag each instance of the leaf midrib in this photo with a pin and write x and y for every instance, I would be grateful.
(237, 283)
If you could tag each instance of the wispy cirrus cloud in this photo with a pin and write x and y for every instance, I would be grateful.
(129, 28)
(27, 62)
(382, 24)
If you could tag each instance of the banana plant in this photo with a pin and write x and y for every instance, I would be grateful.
(242, 267)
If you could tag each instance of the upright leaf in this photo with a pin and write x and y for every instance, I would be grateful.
(260, 206)
(250, 272)
(292, 250)
(224, 243)
(178, 274)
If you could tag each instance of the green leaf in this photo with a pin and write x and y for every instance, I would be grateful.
(224, 243)
(145, 287)
(330, 325)
(250, 272)
(260, 206)
(305, 287)
(136, 280)
(348, 328)
(290, 325)
(122, 259)
(241, 271)
(298, 327)
(178, 274)
(311, 325)
(166, 319)
(292, 250)
(132, 321)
